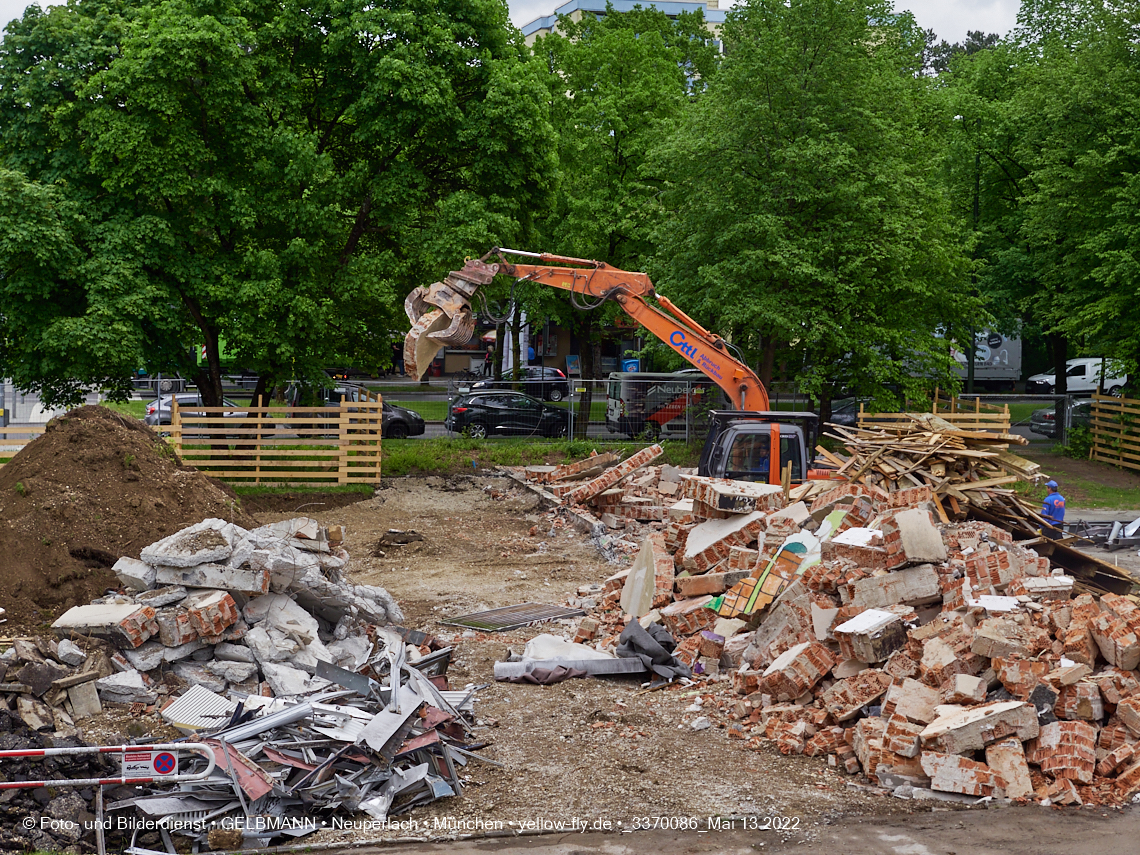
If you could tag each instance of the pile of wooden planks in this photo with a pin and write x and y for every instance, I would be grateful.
(965, 469)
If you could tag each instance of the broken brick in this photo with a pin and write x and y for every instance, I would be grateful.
(796, 671)
(1065, 749)
(950, 773)
(211, 612)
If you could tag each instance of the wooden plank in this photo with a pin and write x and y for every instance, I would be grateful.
(1113, 446)
(332, 453)
(1114, 454)
(941, 511)
(342, 466)
(1125, 464)
(990, 482)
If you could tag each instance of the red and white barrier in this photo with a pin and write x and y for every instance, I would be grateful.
(140, 764)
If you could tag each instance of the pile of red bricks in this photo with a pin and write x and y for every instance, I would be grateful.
(925, 656)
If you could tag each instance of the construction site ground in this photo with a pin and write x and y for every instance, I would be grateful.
(602, 750)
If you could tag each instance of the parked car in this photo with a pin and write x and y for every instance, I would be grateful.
(846, 411)
(500, 413)
(158, 410)
(396, 422)
(550, 384)
(1082, 375)
(1044, 421)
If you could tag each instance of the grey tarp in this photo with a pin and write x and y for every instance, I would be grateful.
(654, 647)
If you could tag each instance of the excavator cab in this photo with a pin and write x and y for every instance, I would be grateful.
(740, 446)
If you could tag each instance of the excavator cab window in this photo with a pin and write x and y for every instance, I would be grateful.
(748, 458)
(790, 453)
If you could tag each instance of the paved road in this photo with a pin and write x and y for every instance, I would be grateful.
(1030, 830)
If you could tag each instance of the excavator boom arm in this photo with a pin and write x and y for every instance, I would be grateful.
(705, 350)
(594, 279)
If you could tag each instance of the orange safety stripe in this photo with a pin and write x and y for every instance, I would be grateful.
(774, 456)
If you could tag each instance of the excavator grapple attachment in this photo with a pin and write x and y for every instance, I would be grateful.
(441, 315)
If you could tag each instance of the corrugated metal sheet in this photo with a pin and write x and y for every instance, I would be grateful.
(512, 617)
(199, 709)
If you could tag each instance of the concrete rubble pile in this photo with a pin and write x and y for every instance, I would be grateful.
(310, 695)
(939, 659)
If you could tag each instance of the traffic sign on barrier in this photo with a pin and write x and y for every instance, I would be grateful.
(148, 763)
(166, 763)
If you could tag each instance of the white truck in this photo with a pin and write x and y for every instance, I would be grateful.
(997, 362)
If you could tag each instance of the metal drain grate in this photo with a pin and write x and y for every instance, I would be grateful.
(512, 617)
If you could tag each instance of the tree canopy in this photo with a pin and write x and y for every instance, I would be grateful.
(806, 206)
(271, 178)
(821, 181)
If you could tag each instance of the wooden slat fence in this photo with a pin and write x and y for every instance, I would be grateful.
(14, 437)
(971, 414)
(299, 446)
(1116, 431)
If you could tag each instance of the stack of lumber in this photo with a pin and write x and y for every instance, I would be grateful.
(967, 470)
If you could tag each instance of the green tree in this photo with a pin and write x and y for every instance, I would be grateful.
(613, 84)
(271, 176)
(1044, 170)
(1081, 104)
(807, 209)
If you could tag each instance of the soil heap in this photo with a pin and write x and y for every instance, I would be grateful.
(94, 487)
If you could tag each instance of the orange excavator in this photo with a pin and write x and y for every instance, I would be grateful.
(441, 315)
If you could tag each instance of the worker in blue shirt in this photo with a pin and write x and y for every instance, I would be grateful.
(1053, 510)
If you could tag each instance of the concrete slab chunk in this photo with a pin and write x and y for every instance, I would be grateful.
(134, 574)
(146, 657)
(201, 543)
(912, 536)
(637, 594)
(736, 497)
(1007, 759)
(216, 576)
(35, 714)
(976, 727)
(126, 687)
(950, 773)
(160, 597)
(84, 700)
(126, 625)
(709, 542)
(195, 674)
(71, 653)
(914, 586)
(871, 636)
(914, 700)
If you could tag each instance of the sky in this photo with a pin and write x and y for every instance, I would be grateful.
(950, 19)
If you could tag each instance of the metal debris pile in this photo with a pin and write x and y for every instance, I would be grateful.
(939, 659)
(310, 695)
(382, 738)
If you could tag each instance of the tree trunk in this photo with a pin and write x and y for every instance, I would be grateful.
(767, 360)
(824, 408)
(516, 345)
(497, 359)
(1060, 347)
(586, 360)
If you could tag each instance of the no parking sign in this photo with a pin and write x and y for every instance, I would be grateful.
(149, 763)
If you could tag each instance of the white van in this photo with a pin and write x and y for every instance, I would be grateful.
(1082, 375)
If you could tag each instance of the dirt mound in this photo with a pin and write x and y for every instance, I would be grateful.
(94, 487)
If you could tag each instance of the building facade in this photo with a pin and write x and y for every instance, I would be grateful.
(578, 9)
